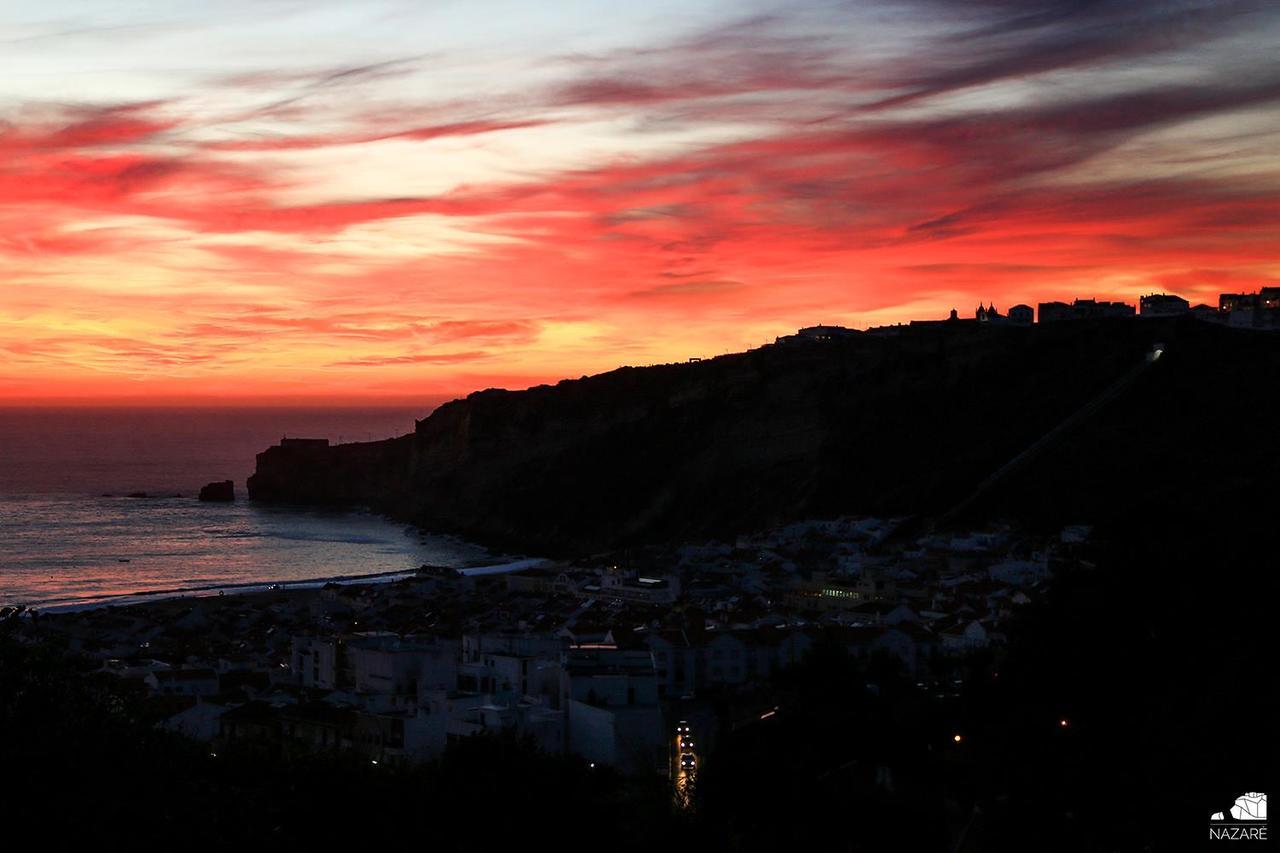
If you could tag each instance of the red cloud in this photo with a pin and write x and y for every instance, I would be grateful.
(821, 211)
(83, 127)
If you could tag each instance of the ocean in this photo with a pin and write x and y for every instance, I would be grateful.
(71, 535)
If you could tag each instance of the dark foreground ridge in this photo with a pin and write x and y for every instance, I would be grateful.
(1043, 425)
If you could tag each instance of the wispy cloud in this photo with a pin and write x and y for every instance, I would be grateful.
(494, 216)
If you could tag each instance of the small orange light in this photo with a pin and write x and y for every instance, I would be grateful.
(957, 738)
(1063, 722)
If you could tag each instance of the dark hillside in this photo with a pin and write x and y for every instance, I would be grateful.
(907, 424)
(1197, 435)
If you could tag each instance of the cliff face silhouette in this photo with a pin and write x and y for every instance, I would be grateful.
(908, 424)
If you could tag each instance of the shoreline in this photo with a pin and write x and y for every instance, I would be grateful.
(107, 585)
(129, 599)
(123, 599)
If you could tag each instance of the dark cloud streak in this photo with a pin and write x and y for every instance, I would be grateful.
(1027, 38)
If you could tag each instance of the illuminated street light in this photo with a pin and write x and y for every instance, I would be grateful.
(957, 738)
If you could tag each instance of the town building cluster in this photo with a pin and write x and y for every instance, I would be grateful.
(596, 658)
(1258, 310)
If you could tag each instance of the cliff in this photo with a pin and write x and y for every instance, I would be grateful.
(309, 471)
(907, 424)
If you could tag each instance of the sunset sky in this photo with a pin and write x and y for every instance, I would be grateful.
(336, 200)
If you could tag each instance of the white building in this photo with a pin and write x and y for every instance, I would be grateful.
(401, 666)
(314, 662)
(199, 722)
(183, 682)
(610, 696)
(964, 636)
(1019, 572)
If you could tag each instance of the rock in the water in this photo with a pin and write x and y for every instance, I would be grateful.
(223, 491)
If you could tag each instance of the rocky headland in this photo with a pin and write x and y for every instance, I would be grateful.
(910, 420)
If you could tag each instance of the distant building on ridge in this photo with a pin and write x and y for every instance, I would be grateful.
(989, 315)
(818, 333)
(1082, 309)
(1163, 305)
(1259, 310)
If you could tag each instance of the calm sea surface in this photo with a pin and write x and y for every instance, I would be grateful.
(69, 534)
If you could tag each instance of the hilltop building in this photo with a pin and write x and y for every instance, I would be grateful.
(304, 443)
(817, 333)
(1259, 310)
(1021, 315)
(1163, 305)
(1082, 309)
